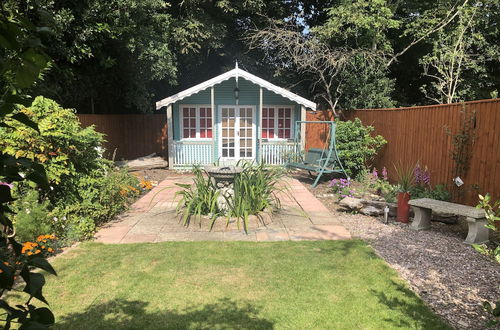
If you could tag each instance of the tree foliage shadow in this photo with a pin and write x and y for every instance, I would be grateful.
(420, 315)
(133, 314)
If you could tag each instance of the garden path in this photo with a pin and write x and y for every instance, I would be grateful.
(153, 219)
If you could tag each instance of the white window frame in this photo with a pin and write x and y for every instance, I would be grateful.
(292, 122)
(197, 120)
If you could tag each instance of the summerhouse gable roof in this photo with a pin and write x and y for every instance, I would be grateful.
(236, 73)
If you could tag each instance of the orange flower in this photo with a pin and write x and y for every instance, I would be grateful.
(30, 253)
(50, 250)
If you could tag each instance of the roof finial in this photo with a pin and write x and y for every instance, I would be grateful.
(236, 64)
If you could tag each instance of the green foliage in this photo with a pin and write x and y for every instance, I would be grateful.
(492, 211)
(62, 145)
(32, 216)
(356, 146)
(458, 50)
(463, 141)
(21, 62)
(439, 192)
(86, 190)
(405, 176)
(494, 311)
(198, 199)
(254, 192)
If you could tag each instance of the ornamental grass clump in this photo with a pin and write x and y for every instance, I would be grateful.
(255, 192)
(199, 198)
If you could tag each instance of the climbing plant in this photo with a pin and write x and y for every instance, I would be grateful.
(463, 141)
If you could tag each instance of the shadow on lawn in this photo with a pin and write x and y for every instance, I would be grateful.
(421, 316)
(134, 314)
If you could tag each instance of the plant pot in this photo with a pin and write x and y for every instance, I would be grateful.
(403, 207)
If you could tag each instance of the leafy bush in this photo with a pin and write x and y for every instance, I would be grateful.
(86, 190)
(63, 146)
(32, 216)
(356, 146)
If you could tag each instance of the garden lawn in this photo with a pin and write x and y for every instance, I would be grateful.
(228, 285)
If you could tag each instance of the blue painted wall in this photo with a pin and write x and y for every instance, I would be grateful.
(224, 95)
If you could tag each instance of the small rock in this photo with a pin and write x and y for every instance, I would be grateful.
(371, 210)
(351, 203)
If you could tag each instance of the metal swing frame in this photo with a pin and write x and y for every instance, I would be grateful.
(314, 159)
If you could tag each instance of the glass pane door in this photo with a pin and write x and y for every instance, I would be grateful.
(228, 132)
(237, 132)
(245, 133)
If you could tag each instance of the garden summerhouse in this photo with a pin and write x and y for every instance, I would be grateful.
(234, 116)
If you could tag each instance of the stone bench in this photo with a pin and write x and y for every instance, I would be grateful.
(476, 219)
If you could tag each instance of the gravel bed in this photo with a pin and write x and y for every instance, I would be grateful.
(450, 276)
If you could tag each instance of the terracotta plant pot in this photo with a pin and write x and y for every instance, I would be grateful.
(403, 207)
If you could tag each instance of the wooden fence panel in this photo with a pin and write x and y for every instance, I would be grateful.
(418, 134)
(131, 136)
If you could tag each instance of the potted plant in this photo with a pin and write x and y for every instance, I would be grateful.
(406, 181)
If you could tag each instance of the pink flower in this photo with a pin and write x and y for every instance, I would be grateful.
(384, 173)
(7, 184)
(375, 173)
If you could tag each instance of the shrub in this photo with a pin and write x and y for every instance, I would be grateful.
(32, 215)
(86, 190)
(356, 146)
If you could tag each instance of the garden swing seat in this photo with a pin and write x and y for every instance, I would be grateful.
(319, 161)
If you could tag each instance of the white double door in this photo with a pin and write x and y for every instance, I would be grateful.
(237, 133)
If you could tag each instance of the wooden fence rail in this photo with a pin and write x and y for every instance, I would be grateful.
(131, 136)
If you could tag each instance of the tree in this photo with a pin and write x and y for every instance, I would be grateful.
(458, 49)
(340, 56)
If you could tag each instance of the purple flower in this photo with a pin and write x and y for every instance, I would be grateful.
(375, 173)
(7, 184)
(422, 176)
(417, 172)
(384, 174)
(425, 177)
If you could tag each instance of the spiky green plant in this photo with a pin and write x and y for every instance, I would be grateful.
(199, 198)
(255, 192)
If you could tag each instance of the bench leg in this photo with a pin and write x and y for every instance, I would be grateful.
(422, 218)
(478, 233)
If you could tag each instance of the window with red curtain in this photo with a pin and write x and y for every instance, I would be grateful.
(268, 123)
(276, 122)
(205, 123)
(196, 123)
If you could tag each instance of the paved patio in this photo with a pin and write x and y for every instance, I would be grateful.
(153, 219)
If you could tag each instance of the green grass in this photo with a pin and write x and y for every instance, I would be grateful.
(229, 285)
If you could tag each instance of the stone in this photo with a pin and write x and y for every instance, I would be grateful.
(371, 211)
(351, 203)
(381, 205)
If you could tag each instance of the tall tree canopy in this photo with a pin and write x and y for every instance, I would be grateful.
(120, 56)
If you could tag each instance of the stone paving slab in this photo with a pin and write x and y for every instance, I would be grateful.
(153, 219)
